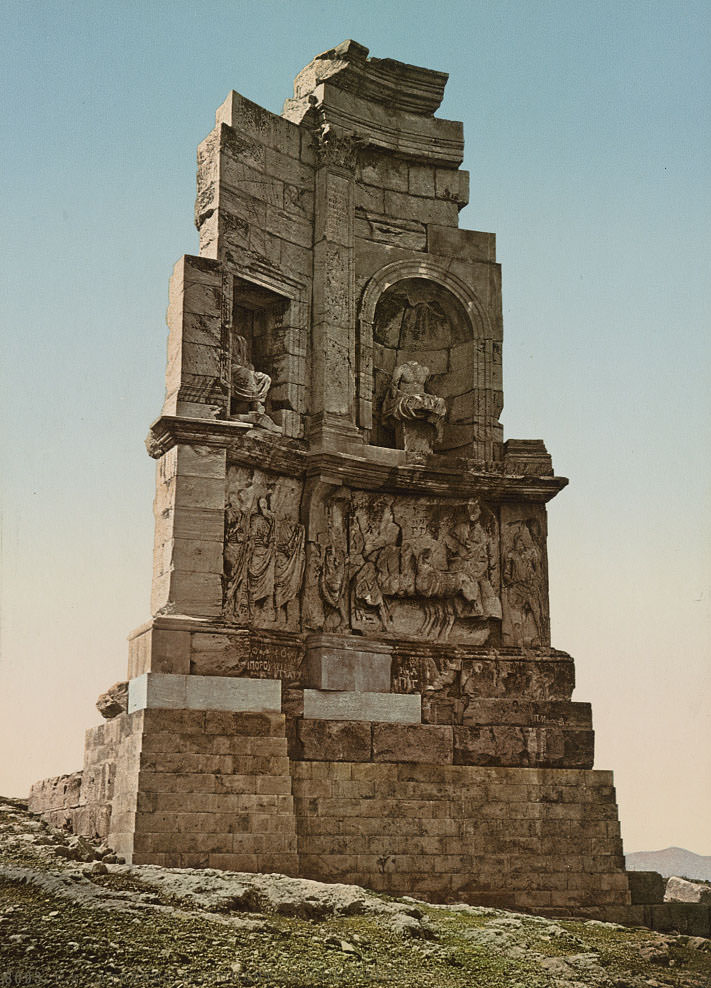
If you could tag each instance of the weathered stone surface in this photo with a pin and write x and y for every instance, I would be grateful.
(255, 654)
(350, 582)
(339, 741)
(350, 705)
(681, 890)
(416, 743)
(525, 746)
(114, 701)
(202, 693)
(465, 677)
(646, 887)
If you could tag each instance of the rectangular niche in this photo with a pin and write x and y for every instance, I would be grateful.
(266, 337)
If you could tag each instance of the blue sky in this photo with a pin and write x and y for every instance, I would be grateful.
(587, 137)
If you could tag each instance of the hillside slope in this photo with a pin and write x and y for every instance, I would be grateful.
(671, 861)
(71, 915)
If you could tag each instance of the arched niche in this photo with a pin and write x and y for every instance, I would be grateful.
(420, 311)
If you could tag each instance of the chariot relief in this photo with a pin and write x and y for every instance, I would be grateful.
(422, 568)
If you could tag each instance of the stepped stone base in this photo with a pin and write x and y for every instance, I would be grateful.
(520, 838)
(215, 788)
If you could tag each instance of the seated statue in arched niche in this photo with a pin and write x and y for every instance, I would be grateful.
(249, 389)
(418, 416)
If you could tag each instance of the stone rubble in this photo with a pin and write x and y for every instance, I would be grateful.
(683, 890)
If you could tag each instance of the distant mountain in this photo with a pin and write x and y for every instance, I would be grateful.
(671, 861)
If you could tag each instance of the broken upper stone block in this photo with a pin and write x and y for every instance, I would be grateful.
(389, 104)
(379, 80)
(114, 701)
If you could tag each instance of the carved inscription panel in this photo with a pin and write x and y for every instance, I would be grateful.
(257, 655)
(264, 552)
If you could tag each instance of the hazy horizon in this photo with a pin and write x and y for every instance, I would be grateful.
(587, 139)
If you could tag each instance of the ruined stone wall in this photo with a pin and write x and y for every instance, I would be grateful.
(57, 799)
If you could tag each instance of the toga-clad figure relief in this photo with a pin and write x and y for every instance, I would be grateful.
(325, 597)
(249, 390)
(525, 585)
(333, 577)
(264, 552)
(418, 416)
(472, 553)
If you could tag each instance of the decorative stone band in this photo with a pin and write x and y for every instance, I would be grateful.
(166, 691)
(391, 708)
(371, 468)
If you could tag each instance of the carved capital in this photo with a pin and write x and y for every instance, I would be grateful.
(337, 152)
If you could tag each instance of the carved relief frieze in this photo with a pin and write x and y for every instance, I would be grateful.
(536, 677)
(455, 681)
(326, 598)
(264, 554)
(524, 577)
(423, 568)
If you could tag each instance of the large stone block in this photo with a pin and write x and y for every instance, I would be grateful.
(412, 743)
(509, 745)
(203, 693)
(340, 741)
(337, 663)
(351, 705)
(252, 122)
(682, 890)
(468, 245)
(186, 592)
(690, 918)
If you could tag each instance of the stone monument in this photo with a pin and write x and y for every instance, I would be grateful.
(348, 673)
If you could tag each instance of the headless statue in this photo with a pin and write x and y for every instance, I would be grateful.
(418, 415)
(249, 389)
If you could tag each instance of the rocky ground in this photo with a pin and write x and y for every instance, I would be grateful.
(73, 915)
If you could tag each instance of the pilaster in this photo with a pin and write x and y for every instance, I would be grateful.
(333, 331)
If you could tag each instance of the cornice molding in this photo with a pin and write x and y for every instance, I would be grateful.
(448, 477)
